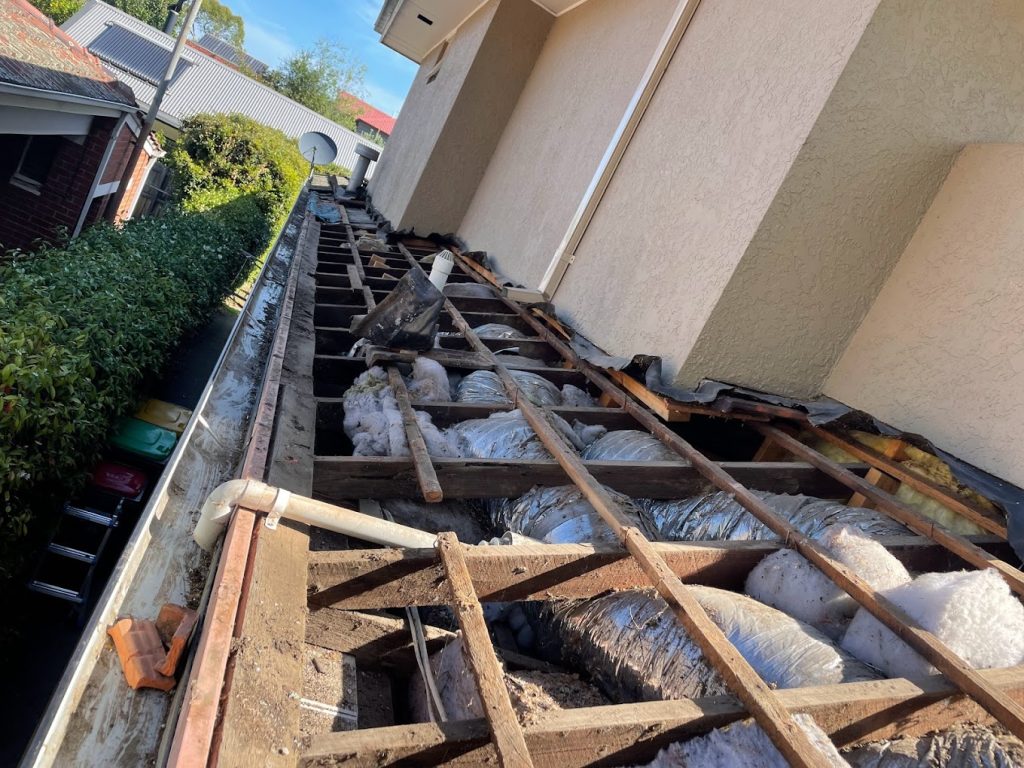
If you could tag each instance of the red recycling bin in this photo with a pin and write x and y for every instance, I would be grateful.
(119, 480)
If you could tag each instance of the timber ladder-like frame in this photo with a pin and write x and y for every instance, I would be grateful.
(348, 281)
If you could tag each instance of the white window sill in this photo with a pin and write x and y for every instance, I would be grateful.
(27, 184)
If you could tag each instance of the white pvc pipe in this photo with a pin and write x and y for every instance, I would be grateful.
(443, 264)
(277, 503)
(565, 254)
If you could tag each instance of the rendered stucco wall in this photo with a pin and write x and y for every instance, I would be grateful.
(585, 75)
(423, 117)
(730, 116)
(448, 129)
(925, 79)
(941, 351)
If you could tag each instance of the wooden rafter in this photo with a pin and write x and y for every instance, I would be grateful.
(1007, 711)
(425, 474)
(759, 699)
(623, 734)
(398, 578)
(506, 733)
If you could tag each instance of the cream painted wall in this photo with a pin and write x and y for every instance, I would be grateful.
(729, 118)
(478, 118)
(423, 117)
(448, 129)
(925, 79)
(941, 351)
(585, 75)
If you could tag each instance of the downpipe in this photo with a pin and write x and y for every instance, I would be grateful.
(277, 503)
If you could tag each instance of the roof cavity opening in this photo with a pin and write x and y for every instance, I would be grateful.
(424, 19)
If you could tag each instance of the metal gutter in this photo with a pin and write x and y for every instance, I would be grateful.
(52, 729)
(565, 254)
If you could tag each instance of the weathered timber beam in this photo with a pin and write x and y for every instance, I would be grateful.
(506, 732)
(623, 734)
(331, 412)
(395, 578)
(350, 477)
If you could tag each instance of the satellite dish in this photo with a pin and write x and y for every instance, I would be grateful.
(318, 148)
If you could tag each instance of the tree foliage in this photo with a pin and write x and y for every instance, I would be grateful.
(219, 158)
(58, 10)
(80, 327)
(217, 19)
(316, 76)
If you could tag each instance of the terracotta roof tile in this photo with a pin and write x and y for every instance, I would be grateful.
(34, 52)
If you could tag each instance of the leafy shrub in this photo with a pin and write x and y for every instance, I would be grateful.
(221, 158)
(80, 327)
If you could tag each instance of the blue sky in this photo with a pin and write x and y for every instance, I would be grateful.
(275, 29)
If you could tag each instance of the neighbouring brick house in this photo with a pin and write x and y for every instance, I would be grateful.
(67, 127)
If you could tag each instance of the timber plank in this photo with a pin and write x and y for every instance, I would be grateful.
(430, 488)
(506, 732)
(353, 477)
(624, 734)
(395, 578)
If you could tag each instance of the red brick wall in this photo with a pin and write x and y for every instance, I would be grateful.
(25, 216)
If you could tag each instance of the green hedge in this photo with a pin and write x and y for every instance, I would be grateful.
(218, 159)
(80, 327)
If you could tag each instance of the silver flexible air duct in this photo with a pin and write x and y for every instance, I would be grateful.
(486, 387)
(559, 515)
(629, 445)
(719, 517)
(498, 331)
(505, 435)
(637, 650)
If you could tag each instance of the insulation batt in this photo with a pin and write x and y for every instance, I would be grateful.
(559, 515)
(505, 435)
(972, 612)
(636, 649)
(719, 517)
(574, 397)
(741, 745)
(374, 423)
(787, 581)
(629, 445)
(429, 382)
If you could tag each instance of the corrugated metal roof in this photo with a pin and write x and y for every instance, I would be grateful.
(227, 51)
(207, 85)
(128, 51)
(36, 54)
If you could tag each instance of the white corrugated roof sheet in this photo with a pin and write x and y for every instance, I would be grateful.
(203, 85)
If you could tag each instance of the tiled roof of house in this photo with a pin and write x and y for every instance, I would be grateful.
(35, 53)
(369, 114)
